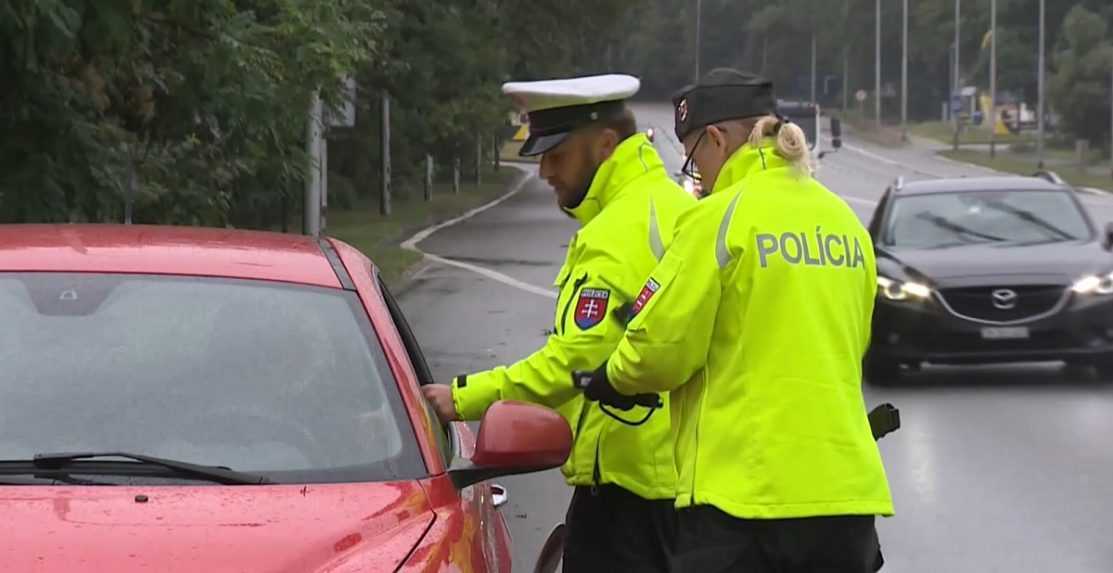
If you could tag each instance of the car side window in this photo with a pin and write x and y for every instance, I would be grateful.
(445, 439)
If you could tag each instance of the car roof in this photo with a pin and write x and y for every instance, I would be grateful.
(190, 251)
(960, 184)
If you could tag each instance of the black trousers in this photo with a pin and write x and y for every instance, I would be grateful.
(611, 530)
(710, 541)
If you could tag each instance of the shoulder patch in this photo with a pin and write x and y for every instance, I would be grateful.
(651, 287)
(591, 308)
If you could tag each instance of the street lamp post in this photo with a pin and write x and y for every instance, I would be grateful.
(958, 76)
(992, 79)
(904, 76)
(877, 68)
(813, 66)
(1040, 88)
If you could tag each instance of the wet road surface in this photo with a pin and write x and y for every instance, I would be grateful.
(1006, 468)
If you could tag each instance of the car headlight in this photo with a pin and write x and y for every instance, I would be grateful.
(1094, 284)
(900, 290)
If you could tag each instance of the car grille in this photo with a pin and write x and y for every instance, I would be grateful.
(979, 303)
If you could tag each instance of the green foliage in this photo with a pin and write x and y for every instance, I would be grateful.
(199, 102)
(1080, 88)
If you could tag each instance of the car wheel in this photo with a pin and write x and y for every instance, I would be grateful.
(882, 372)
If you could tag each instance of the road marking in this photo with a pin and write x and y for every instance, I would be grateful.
(411, 245)
(862, 200)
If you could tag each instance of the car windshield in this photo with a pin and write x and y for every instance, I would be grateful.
(279, 380)
(941, 220)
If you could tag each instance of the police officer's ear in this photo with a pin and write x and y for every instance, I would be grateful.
(605, 143)
(719, 139)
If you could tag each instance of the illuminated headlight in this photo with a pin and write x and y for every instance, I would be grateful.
(1094, 284)
(899, 290)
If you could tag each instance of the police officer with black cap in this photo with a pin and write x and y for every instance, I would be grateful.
(755, 323)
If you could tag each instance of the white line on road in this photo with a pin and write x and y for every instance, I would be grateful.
(411, 245)
(861, 200)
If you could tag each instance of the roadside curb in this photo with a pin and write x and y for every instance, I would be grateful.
(412, 276)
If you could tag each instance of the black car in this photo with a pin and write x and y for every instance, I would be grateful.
(988, 270)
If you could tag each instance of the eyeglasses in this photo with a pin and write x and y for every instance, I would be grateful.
(689, 167)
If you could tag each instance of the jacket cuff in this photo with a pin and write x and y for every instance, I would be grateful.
(472, 394)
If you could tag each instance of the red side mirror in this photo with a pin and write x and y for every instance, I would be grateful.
(516, 438)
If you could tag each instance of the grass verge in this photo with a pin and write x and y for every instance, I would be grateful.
(943, 132)
(1011, 164)
(379, 236)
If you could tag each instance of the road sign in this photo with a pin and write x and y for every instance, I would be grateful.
(956, 103)
(861, 95)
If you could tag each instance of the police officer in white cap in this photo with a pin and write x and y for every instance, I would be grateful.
(611, 179)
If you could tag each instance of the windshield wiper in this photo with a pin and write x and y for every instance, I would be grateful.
(945, 223)
(90, 463)
(1030, 217)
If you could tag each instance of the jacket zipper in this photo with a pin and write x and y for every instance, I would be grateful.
(567, 304)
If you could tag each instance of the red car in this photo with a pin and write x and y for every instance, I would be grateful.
(193, 400)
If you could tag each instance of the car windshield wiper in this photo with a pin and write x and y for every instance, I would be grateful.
(60, 465)
(945, 223)
(1030, 217)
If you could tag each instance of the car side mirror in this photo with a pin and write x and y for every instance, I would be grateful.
(1107, 240)
(515, 438)
(836, 133)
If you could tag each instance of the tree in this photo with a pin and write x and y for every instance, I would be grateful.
(1079, 88)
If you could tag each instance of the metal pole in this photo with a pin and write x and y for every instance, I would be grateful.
(311, 215)
(813, 66)
(129, 201)
(478, 160)
(456, 175)
(384, 131)
(1040, 75)
(877, 68)
(699, 26)
(845, 78)
(992, 79)
(1111, 121)
(904, 76)
(324, 183)
(958, 75)
(428, 177)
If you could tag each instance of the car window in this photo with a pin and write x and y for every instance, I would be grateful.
(282, 380)
(988, 217)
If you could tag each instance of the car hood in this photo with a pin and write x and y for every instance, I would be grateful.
(1059, 262)
(317, 528)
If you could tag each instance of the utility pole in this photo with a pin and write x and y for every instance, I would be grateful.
(904, 76)
(992, 79)
(384, 131)
(1111, 120)
(957, 91)
(877, 68)
(1040, 75)
(311, 214)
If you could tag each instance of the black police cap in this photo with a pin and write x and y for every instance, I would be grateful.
(721, 95)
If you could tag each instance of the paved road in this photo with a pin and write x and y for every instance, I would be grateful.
(997, 469)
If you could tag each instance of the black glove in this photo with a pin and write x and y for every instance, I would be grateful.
(597, 388)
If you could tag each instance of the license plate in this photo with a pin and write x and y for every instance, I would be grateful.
(1005, 332)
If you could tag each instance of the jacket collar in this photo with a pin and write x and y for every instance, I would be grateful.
(748, 160)
(634, 157)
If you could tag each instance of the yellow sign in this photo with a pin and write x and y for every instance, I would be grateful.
(523, 133)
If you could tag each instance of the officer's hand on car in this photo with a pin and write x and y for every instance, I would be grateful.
(597, 388)
(440, 397)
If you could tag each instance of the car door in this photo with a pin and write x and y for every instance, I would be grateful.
(479, 501)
